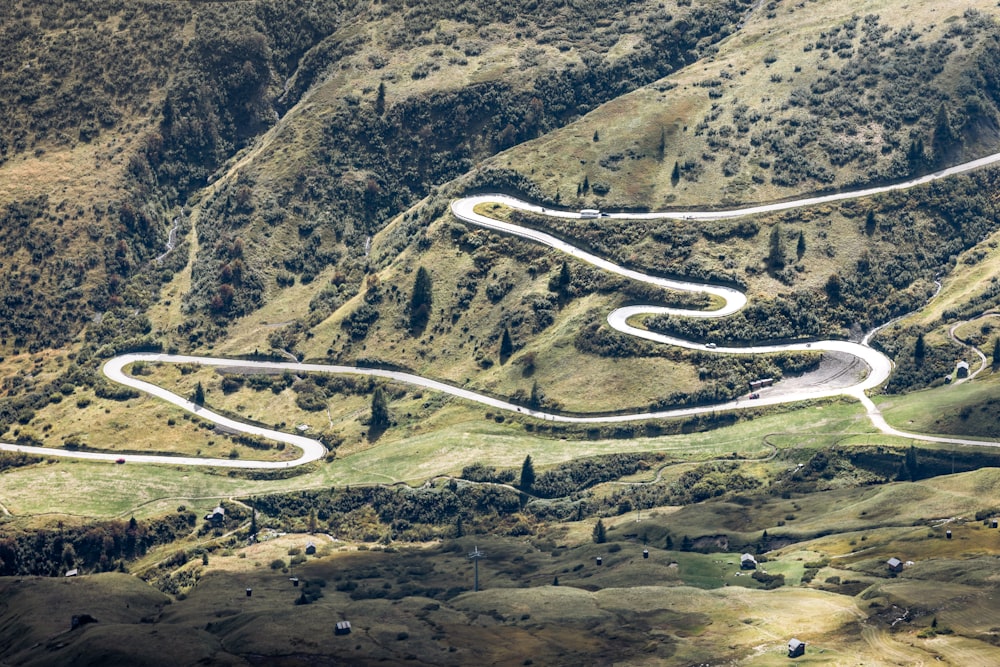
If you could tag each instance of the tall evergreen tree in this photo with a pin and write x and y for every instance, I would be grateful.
(833, 288)
(943, 138)
(912, 467)
(600, 532)
(800, 247)
(506, 346)
(919, 351)
(380, 411)
(996, 353)
(199, 394)
(420, 301)
(776, 249)
(380, 99)
(565, 278)
(675, 175)
(870, 222)
(562, 283)
(527, 474)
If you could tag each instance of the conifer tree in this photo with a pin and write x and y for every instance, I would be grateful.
(380, 99)
(833, 288)
(562, 283)
(600, 533)
(527, 474)
(776, 249)
(506, 345)
(912, 467)
(380, 410)
(420, 301)
(943, 138)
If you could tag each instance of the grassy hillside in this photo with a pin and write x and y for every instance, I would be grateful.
(286, 249)
(411, 99)
(681, 603)
(803, 97)
(114, 113)
(342, 157)
(305, 154)
(842, 270)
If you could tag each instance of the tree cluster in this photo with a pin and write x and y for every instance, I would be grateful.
(99, 547)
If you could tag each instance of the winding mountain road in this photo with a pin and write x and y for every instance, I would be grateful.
(879, 366)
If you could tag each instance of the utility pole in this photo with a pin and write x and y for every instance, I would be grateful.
(474, 557)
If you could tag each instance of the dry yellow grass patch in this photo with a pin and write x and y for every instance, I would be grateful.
(75, 174)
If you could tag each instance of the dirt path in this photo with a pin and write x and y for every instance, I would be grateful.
(979, 353)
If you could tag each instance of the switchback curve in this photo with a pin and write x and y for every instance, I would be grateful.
(733, 300)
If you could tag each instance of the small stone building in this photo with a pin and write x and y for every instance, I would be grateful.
(895, 565)
(216, 516)
(748, 562)
(796, 648)
(962, 369)
(310, 548)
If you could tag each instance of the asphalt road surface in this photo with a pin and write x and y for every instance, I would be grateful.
(868, 369)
